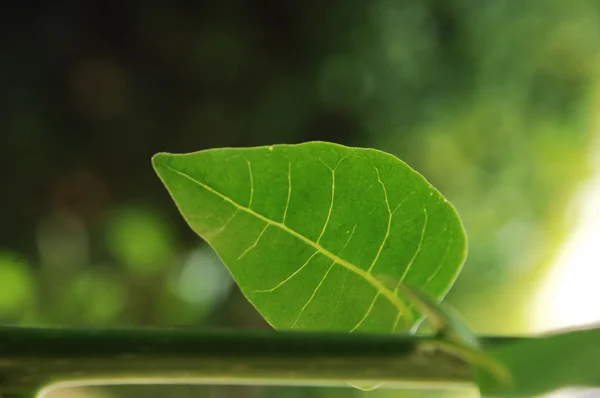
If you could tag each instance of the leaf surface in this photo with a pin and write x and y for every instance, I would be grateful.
(313, 233)
(540, 365)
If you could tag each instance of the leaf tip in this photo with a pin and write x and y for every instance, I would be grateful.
(159, 159)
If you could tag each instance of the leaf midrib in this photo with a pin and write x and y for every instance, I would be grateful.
(400, 306)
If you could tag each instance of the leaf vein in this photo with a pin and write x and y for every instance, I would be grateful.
(366, 313)
(289, 193)
(331, 202)
(389, 223)
(213, 235)
(415, 254)
(255, 242)
(409, 265)
(440, 265)
(403, 201)
(314, 293)
(251, 183)
(289, 277)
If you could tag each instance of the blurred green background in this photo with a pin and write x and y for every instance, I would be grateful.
(495, 102)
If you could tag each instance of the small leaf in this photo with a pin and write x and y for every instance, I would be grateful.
(307, 230)
(455, 337)
(443, 319)
(540, 365)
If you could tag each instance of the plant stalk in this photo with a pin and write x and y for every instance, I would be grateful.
(31, 358)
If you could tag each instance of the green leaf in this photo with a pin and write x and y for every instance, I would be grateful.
(313, 233)
(543, 364)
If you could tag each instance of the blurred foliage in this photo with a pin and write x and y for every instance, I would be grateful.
(493, 101)
(140, 240)
(18, 288)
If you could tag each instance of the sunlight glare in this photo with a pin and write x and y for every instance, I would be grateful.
(570, 294)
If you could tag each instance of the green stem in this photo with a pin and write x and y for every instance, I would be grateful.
(31, 394)
(31, 358)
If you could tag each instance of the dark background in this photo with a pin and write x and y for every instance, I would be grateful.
(495, 102)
